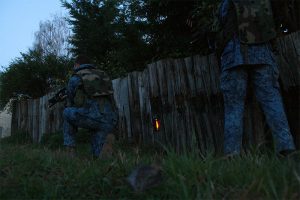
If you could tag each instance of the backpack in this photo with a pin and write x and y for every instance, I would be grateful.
(95, 83)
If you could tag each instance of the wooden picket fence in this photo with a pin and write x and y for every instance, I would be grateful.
(185, 95)
(33, 116)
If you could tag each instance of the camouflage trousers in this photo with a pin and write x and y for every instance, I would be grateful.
(266, 88)
(99, 122)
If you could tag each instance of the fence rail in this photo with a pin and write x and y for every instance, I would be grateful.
(185, 95)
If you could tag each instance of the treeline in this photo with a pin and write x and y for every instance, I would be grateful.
(124, 35)
(29, 75)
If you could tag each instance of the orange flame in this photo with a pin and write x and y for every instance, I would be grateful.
(156, 124)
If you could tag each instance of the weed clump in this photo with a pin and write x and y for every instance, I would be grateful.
(19, 137)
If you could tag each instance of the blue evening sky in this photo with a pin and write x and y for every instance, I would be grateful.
(19, 20)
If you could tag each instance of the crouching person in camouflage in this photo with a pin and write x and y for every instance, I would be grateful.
(90, 105)
(247, 27)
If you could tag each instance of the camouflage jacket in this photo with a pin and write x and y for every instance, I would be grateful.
(251, 20)
(234, 53)
(255, 21)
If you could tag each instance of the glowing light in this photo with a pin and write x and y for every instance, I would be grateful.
(156, 124)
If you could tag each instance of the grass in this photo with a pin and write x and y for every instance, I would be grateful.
(30, 171)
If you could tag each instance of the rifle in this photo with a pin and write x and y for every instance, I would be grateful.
(58, 97)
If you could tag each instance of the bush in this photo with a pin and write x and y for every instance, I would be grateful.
(19, 137)
(53, 140)
(83, 136)
(56, 140)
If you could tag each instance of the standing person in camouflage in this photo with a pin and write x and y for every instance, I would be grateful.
(90, 105)
(247, 27)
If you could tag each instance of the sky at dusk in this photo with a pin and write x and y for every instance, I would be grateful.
(19, 20)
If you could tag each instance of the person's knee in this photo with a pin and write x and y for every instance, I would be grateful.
(66, 113)
(233, 91)
(69, 114)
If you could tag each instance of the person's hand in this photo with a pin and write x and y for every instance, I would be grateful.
(62, 96)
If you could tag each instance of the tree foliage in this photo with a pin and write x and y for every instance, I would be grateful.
(49, 59)
(52, 37)
(124, 35)
(286, 14)
(29, 73)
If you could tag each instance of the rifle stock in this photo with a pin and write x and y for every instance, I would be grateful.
(58, 97)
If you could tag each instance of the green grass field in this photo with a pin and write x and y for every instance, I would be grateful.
(30, 171)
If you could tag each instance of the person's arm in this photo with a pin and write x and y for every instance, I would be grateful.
(219, 23)
(223, 11)
(73, 84)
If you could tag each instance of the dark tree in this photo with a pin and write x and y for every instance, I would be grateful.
(28, 75)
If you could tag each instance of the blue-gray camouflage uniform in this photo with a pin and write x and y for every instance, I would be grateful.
(235, 69)
(90, 116)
